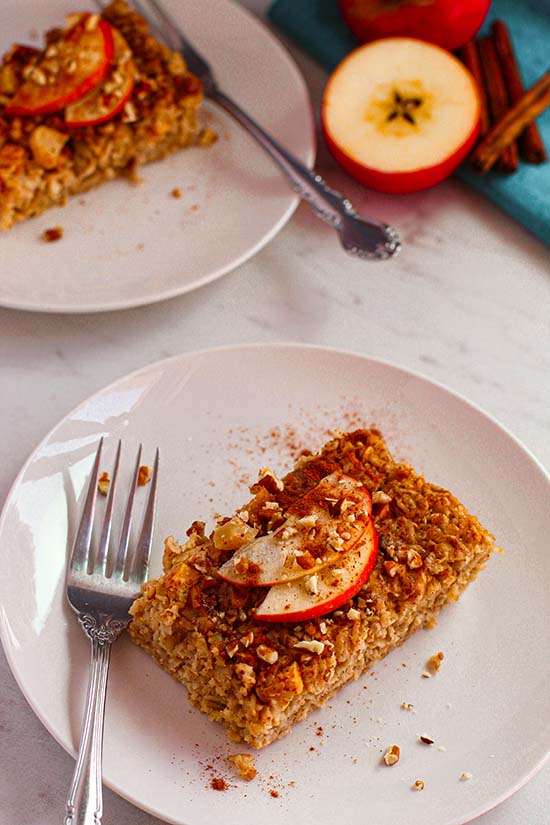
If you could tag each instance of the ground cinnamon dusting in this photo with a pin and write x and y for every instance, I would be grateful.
(218, 784)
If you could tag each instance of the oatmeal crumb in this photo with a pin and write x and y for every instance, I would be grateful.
(353, 614)
(144, 475)
(465, 775)
(55, 233)
(408, 706)
(426, 675)
(434, 662)
(392, 754)
(176, 192)
(418, 785)
(244, 763)
(103, 483)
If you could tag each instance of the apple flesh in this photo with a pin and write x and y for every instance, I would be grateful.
(110, 96)
(322, 525)
(447, 23)
(324, 590)
(400, 114)
(76, 65)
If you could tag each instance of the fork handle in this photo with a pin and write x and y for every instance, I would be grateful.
(371, 239)
(85, 801)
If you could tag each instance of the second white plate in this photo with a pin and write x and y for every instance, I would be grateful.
(218, 416)
(127, 245)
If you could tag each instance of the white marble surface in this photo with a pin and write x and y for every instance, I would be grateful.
(467, 303)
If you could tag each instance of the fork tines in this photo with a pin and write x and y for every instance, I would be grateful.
(129, 567)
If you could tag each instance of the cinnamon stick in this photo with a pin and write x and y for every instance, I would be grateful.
(470, 57)
(502, 135)
(530, 142)
(497, 97)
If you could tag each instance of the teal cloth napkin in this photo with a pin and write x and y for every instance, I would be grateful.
(318, 27)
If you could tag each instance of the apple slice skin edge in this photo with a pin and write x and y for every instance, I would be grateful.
(324, 609)
(81, 112)
(83, 88)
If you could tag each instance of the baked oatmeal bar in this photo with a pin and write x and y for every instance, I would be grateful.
(136, 102)
(257, 677)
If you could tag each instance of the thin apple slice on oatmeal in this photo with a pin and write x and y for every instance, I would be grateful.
(320, 527)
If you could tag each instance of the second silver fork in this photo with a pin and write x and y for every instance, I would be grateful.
(101, 590)
(360, 236)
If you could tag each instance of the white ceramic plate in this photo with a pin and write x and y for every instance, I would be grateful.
(218, 416)
(127, 245)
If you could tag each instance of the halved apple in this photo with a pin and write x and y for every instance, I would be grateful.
(110, 96)
(400, 114)
(325, 590)
(68, 69)
(322, 525)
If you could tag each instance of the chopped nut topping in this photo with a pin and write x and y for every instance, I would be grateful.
(232, 535)
(305, 560)
(308, 521)
(268, 479)
(392, 568)
(144, 475)
(380, 497)
(392, 754)
(312, 646)
(103, 483)
(434, 662)
(248, 639)
(323, 627)
(244, 762)
(92, 22)
(418, 785)
(267, 654)
(311, 585)
(353, 614)
(414, 559)
(232, 649)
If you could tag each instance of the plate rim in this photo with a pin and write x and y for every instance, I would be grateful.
(52, 307)
(257, 347)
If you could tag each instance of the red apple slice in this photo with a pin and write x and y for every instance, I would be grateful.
(447, 23)
(68, 69)
(399, 114)
(325, 590)
(109, 97)
(321, 526)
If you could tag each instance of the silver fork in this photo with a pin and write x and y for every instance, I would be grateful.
(363, 237)
(101, 590)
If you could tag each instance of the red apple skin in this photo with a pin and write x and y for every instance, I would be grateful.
(61, 96)
(327, 607)
(401, 183)
(447, 23)
(93, 98)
